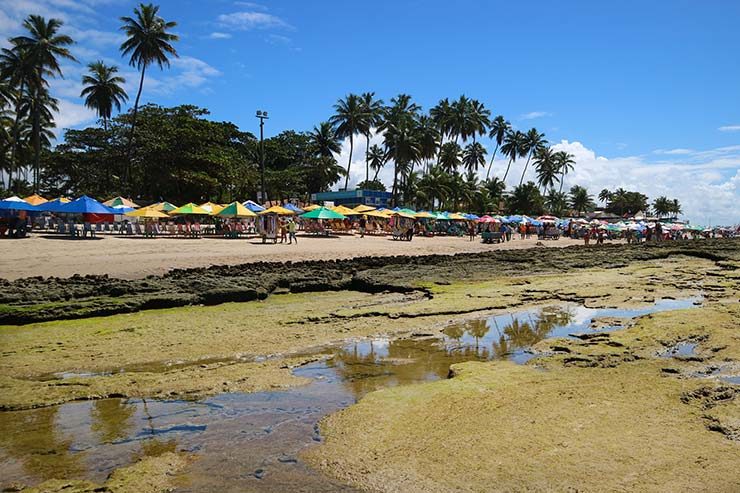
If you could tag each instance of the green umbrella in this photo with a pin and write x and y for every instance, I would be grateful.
(323, 213)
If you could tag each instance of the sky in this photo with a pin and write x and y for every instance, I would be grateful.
(646, 95)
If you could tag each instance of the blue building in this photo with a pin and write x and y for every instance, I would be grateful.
(353, 198)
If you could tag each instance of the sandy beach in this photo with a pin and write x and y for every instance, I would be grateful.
(132, 258)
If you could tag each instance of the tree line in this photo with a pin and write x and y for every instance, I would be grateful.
(153, 152)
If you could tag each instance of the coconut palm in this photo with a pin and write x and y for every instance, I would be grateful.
(675, 208)
(102, 90)
(580, 200)
(605, 195)
(556, 202)
(401, 137)
(547, 168)
(533, 141)
(148, 41)
(498, 129)
(661, 206)
(565, 163)
(441, 115)
(479, 117)
(373, 115)
(450, 156)
(513, 148)
(45, 46)
(474, 157)
(378, 158)
(324, 140)
(428, 137)
(348, 119)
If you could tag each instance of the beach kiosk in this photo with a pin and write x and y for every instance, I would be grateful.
(268, 222)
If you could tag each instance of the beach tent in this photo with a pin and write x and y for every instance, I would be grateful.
(211, 207)
(189, 209)
(471, 217)
(35, 199)
(454, 216)
(147, 213)
(235, 209)
(363, 208)
(345, 211)
(547, 219)
(120, 209)
(52, 205)
(120, 201)
(253, 206)
(276, 209)
(12, 205)
(14, 198)
(294, 208)
(84, 205)
(323, 213)
(425, 215)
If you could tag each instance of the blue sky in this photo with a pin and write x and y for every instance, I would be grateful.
(646, 94)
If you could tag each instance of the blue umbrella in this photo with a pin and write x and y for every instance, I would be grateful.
(85, 205)
(121, 209)
(51, 206)
(294, 208)
(253, 206)
(12, 205)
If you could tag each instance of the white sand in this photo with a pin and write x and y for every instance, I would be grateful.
(138, 257)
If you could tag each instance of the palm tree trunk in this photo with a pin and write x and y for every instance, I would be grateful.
(349, 163)
(507, 170)
(367, 157)
(127, 169)
(16, 134)
(490, 165)
(521, 180)
(36, 141)
(395, 181)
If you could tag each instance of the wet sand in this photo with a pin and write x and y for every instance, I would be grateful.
(132, 258)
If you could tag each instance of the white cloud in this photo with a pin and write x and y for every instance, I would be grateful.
(674, 152)
(729, 128)
(248, 20)
(251, 5)
(71, 115)
(219, 35)
(534, 114)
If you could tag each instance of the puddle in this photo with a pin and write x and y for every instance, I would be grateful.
(253, 441)
(684, 349)
(735, 379)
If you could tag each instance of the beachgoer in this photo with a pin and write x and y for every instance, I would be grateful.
(586, 237)
(291, 232)
(471, 231)
(363, 225)
(283, 231)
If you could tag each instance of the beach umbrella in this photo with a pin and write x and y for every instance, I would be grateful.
(120, 201)
(13, 205)
(52, 205)
(364, 208)
(276, 209)
(323, 213)
(120, 209)
(345, 211)
(294, 208)
(377, 214)
(310, 207)
(487, 219)
(189, 209)
(35, 199)
(83, 205)
(147, 213)
(163, 206)
(253, 206)
(471, 217)
(457, 217)
(211, 207)
(405, 211)
(235, 209)
(14, 198)
(549, 219)
(425, 215)
(404, 214)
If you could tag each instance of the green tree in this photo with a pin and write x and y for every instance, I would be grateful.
(103, 90)
(513, 148)
(474, 157)
(350, 117)
(378, 158)
(373, 115)
(325, 141)
(498, 130)
(565, 163)
(661, 206)
(441, 115)
(605, 195)
(546, 167)
(401, 137)
(556, 202)
(580, 200)
(526, 199)
(533, 141)
(147, 41)
(450, 156)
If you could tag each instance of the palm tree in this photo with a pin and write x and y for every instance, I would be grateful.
(474, 157)
(605, 195)
(513, 148)
(547, 167)
(148, 41)
(103, 90)
(675, 208)
(441, 115)
(565, 164)
(324, 140)
(480, 118)
(401, 137)
(45, 46)
(533, 141)
(495, 187)
(526, 199)
(661, 206)
(619, 199)
(498, 130)
(556, 202)
(373, 115)
(378, 158)
(450, 156)
(580, 200)
(428, 137)
(348, 119)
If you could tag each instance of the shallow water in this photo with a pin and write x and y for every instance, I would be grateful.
(252, 441)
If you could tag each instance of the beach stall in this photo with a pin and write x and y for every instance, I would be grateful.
(151, 217)
(268, 223)
(235, 211)
(14, 218)
(88, 209)
(191, 215)
(211, 207)
(315, 221)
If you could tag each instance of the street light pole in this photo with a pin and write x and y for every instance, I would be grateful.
(262, 115)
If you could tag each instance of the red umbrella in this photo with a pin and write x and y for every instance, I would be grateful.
(487, 219)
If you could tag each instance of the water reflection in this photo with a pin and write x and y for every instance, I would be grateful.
(111, 419)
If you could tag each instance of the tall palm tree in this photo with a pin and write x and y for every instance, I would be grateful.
(513, 148)
(324, 140)
(480, 118)
(474, 157)
(565, 164)
(661, 206)
(450, 156)
(441, 115)
(373, 115)
(148, 41)
(675, 207)
(401, 136)
(45, 46)
(556, 202)
(498, 129)
(605, 195)
(428, 138)
(378, 158)
(547, 168)
(619, 199)
(533, 141)
(103, 90)
(462, 124)
(580, 200)
(348, 119)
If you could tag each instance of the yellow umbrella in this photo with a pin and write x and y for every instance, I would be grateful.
(189, 208)
(376, 214)
(35, 199)
(63, 200)
(276, 209)
(403, 214)
(211, 207)
(364, 208)
(425, 215)
(310, 207)
(345, 211)
(235, 209)
(148, 213)
(456, 217)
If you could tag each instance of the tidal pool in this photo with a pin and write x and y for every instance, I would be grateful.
(253, 441)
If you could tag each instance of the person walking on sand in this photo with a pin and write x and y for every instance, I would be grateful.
(363, 224)
(283, 231)
(291, 232)
(471, 230)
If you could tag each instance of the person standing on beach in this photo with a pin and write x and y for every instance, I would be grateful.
(283, 231)
(363, 224)
(291, 232)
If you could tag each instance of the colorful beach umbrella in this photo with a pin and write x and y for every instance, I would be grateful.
(377, 214)
(163, 206)
(14, 198)
(189, 209)
(425, 215)
(276, 209)
(294, 208)
(35, 199)
(120, 201)
(12, 205)
(235, 209)
(310, 207)
(147, 213)
(253, 206)
(363, 208)
(323, 213)
(211, 207)
(345, 211)
(83, 205)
